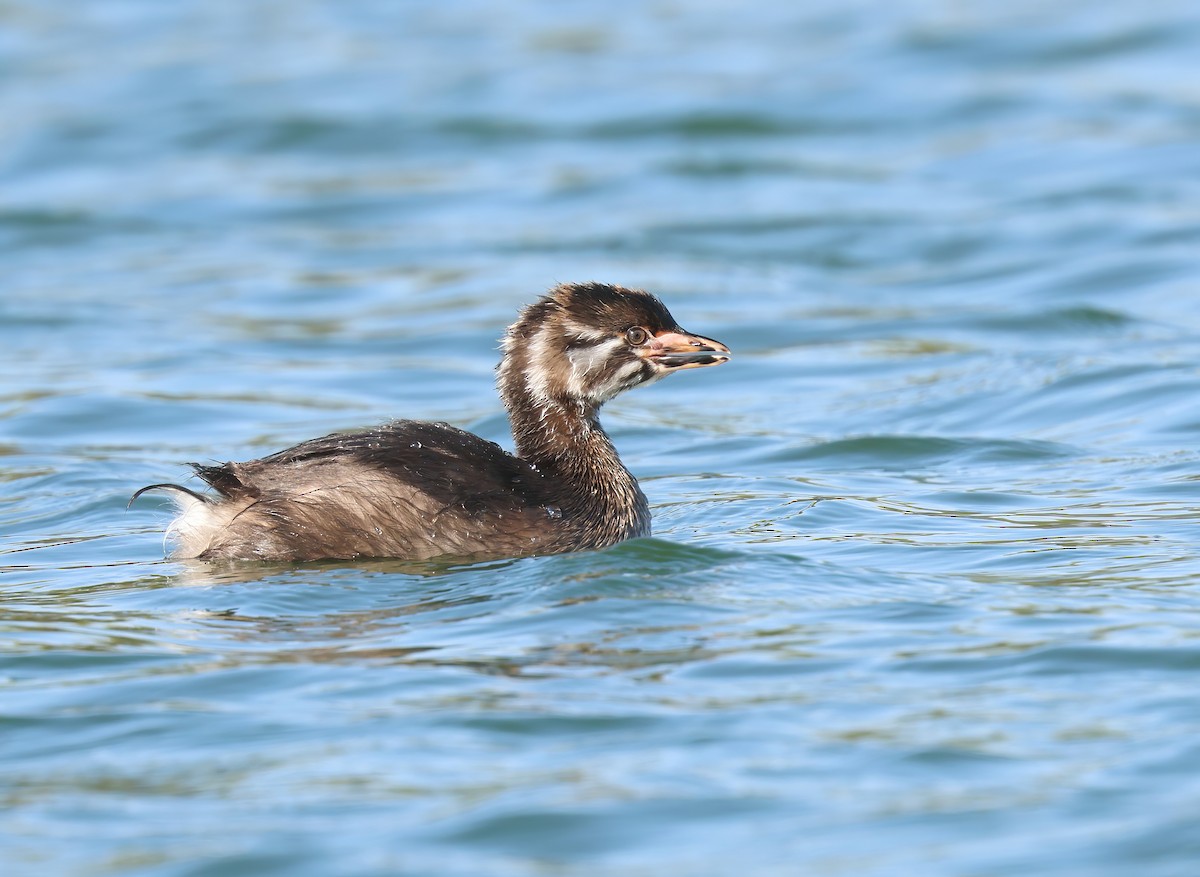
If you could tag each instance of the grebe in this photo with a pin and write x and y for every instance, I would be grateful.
(418, 491)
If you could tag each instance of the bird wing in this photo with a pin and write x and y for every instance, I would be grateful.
(406, 489)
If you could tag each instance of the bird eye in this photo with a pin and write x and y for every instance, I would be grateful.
(637, 336)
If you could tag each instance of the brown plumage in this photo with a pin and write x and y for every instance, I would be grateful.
(418, 491)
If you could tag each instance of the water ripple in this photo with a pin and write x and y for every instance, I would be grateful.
(920, 598)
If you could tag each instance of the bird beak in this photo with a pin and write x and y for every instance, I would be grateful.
(678, 349)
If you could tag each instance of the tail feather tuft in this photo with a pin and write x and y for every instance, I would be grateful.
(223, 479)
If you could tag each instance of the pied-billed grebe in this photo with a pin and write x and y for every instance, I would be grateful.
(417, 491)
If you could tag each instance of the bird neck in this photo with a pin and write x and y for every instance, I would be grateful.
(566, 443)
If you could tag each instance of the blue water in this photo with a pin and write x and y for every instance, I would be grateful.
(922, 595)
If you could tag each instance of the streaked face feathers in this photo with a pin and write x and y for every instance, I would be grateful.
(582, 344)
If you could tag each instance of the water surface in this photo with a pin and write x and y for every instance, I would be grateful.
(922, 593)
